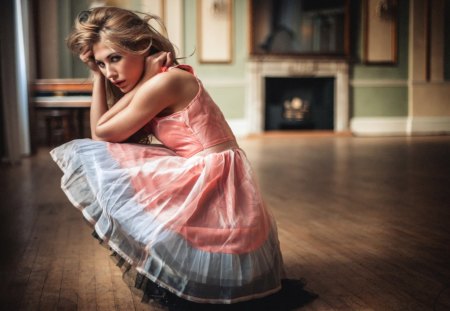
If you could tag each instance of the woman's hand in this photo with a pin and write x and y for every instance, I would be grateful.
(88, 58)
(155, 63)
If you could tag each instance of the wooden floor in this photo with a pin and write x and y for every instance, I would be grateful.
(366, 221)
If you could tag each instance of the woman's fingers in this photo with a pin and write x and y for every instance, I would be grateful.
(169, 60)
(157, 58)
(87, 58)
(155, 63)
(161, 58)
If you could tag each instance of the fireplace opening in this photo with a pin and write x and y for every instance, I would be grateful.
(299, 103)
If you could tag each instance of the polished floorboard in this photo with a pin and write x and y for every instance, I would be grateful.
(366, 221)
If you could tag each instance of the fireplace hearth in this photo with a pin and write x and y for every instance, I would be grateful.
(299, 103)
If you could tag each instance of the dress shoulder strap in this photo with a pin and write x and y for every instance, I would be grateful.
(181, 66)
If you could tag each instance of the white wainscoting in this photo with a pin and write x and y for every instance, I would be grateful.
(392, 126)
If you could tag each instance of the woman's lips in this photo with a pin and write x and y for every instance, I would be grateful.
(119, 84)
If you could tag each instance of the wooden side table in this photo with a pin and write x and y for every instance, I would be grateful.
(59, 115)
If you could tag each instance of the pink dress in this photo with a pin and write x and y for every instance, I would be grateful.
(188, 216)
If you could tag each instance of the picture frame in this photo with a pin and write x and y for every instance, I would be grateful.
(300, 28)
(380, 32)
(215, 31)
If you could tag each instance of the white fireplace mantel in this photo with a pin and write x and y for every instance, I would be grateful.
(259, 69)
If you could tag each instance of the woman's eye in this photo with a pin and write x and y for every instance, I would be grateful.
(100, 65)
(115, 59)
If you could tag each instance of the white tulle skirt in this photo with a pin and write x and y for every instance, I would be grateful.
(195, 226)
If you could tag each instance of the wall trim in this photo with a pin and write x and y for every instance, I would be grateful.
(393, 126)
(378, 83)
(430, 125)
(224, 83)
(374, 126)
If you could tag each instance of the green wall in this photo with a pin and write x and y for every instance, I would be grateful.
(380, 101)
(375, 97)
(70, 65)
(228, 91)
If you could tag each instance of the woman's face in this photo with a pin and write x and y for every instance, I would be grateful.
(123, 69)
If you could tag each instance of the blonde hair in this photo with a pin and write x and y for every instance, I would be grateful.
(121, 29)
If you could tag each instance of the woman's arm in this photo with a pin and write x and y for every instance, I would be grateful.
(98, 103)
(153, 66)
(152, 97)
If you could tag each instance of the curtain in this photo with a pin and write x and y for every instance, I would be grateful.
(15, 71)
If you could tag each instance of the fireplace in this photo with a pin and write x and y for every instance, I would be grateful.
(299, 103)
(314, 94)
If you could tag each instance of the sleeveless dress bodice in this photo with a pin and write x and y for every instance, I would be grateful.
(197, 127)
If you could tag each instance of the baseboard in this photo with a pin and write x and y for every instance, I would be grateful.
(366, 126)
(376, 126)
(394, 126)
(430, 125)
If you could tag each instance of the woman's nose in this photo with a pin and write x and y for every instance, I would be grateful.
(111, 73)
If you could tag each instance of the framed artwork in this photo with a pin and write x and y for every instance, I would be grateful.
(214, 36)
(380, 31)
(299, 28)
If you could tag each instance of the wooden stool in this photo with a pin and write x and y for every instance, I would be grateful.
(59, 125)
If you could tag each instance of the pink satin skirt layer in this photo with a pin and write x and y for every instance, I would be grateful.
(196, 226)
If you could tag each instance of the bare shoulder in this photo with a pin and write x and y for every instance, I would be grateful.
(177, 80)
(174, 83)
(170, 91)
(182, 80)
(182, 87)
